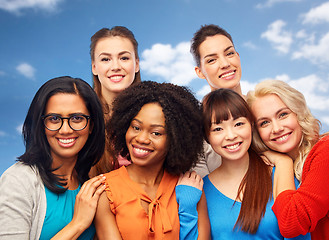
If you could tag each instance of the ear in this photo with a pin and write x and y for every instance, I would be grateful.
(238, 54)
(199, 72)
(93, 68)
(137, 66)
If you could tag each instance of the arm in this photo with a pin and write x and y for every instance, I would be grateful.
(284, 172)
(105, 223)
(84, 209)
(16, 204)
(188, 194)
(299, 211)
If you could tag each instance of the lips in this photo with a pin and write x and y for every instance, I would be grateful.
(227, 75)
(66, 142)
(233, 147)
(140, 152)
(116, 78)
(282, 138)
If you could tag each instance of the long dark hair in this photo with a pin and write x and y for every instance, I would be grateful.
(256, 185)
(37, 151)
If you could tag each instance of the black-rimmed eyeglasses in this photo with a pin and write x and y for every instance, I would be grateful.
(54, 122)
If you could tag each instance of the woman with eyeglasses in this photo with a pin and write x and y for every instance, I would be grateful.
(47, 194)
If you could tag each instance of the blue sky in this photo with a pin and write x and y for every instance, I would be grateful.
(43, 39)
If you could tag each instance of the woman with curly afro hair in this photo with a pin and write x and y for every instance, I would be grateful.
(158, 127)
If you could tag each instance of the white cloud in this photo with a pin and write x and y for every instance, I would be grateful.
(15, 6)
(250, 45)
(172, 64)
(270, 3)
(26, 70)
(317, 15)
(278, 37)
(316, 53)
(19, 128)
(203, 91)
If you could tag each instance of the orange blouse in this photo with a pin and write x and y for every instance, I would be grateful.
(134, 223)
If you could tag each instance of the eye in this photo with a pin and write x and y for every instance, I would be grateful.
(238, 124)
(283, 114)
(230, 53)
(264, 123)
(217, 129)
(211, 60)
(53, 119)
(105, 59)
(136, 128)
(77, 118)
(125, 58)
(157, 134)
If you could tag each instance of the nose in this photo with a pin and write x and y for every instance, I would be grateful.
(224, 62)
(276, 126)
(65, 129)
(230, 134)
(115, 66)
(143, 138)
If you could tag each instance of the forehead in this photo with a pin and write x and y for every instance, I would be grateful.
(151, 113)
(261, 105)
(213, 44)
(114, 45)
(65, 103)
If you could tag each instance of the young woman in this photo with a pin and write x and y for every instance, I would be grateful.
(219, 63)
(289, 127)
(158, 128)
(41, 195)
(115, 66)
(239, 192)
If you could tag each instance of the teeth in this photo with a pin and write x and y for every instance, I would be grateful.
(282, 138)
(232, 147)
(66, 140)
(227, 74)
(116, 77)
(141, 150)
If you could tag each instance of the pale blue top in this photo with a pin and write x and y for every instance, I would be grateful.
(60, 209)
(223, 213)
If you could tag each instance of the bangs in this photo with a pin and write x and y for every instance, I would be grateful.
(220, 105)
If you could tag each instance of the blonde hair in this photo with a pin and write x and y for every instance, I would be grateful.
(295, 101)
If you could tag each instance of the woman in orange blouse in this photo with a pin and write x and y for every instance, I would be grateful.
(158, 128)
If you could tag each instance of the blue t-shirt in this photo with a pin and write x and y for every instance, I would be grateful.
(223, 213)
(60, 209)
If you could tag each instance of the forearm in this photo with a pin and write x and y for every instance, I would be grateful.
(283, 178)
(187, 199)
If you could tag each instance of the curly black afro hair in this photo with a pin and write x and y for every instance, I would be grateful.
(183, 119)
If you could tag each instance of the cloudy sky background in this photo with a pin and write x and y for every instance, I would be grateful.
(43, 39)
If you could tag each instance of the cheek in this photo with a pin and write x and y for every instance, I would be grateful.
(264, 134)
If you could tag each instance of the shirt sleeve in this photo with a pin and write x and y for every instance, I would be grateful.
(16, 207)
(298, 211)
(187, 198)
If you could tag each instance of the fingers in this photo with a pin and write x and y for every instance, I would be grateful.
(191, 179)
(93, 185)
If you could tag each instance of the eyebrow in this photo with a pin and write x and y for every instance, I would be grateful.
(215, 54)
(109, 54)
(152, 125)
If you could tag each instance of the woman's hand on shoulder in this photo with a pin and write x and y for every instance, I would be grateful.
(191, 179)
(87, 199)
(84, 208)
(273, 158)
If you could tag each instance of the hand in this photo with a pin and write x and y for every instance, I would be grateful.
(274, 158)
(86, 201)
(191, 179)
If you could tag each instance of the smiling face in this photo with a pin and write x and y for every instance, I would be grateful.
(277, 125)
(65, 143)
(146, 137)
(231, 139)
(219, 63)
(115, 64)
